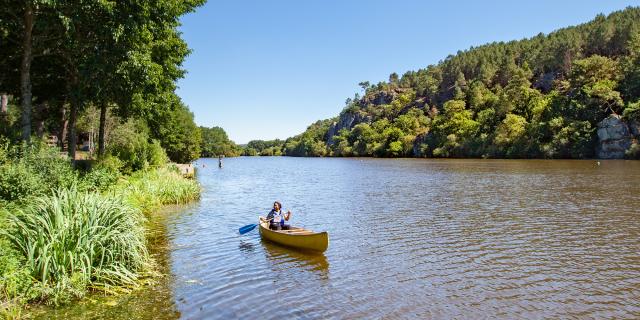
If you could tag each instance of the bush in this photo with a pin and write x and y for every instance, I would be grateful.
(73, 240)
(33, 170)
(132, 146)
(17, 182)
(633, 152)
(99, 179)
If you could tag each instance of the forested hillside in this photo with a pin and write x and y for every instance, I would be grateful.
(541, 97)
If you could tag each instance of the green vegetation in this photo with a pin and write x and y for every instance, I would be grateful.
(78, 69)
(72, 240)
(149, 190)
(263, 148)
(78, 74)
(535, 98)
(215, 142)
(80, 231)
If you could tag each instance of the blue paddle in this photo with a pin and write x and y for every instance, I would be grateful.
(250, 227)
(247, 228)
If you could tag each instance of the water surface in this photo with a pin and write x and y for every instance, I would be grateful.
(413, 238)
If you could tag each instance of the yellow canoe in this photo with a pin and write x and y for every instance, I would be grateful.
(296, 237)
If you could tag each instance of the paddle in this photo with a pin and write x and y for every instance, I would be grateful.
(249, 227)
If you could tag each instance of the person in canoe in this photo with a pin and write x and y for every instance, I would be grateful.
(278, 217)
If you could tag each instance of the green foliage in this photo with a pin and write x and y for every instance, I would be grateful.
(537, 97)
(17, 182)
(632, 111)
(57, 246)
(312, 143)
(633, 152)
(150, 189)
(135, 151)
(215, 142)
(30, 170)
(100, 177)
(177, 133)
(15, 279)
(575, 140)
(263, 147)
(72, 239)
(595, 80)
(510, 136)
(631, 67)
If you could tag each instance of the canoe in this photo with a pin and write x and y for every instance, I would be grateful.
(298, 238)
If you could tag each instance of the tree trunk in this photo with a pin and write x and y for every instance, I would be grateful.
(72, 128)
(4, 100)
(42, 109)
(63, 128)
(25, 71)
(103, 120)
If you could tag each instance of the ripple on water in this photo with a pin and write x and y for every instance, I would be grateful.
(414, 239)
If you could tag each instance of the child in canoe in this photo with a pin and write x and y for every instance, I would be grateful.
(278, 218)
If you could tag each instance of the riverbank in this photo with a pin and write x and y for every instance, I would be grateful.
(67, 233)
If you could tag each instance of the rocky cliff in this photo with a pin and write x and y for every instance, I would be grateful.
(616, 136)
(347, 120)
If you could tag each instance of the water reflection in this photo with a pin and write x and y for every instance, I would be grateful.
(246, 246)
(283, 259)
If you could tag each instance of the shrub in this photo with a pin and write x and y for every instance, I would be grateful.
(99, 178)
(73, 240)
(17, 182)
(46, 161)
(31, 170)
(633, 152)
(132, 146)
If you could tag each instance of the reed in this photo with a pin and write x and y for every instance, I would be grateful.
(74, 240)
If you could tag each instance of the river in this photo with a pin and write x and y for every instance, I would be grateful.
(411, 238)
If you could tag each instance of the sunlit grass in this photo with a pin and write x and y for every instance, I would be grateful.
(149, 190)
(57, 247)
(76, 240)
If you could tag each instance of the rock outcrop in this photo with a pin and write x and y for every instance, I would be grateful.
(614, 138)
(347, 120)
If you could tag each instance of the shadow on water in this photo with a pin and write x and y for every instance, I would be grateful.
(282, 258)
(246, 246)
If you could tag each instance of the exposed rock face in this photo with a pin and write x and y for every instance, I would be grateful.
(614, 138)
(347, 120)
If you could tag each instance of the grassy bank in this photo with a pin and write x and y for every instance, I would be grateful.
(66, 233)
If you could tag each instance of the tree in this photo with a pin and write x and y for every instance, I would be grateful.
(510, 134)
(594, 80)
(177, 132)
(630, 85)
(215, 142)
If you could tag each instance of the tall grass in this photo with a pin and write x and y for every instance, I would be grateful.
(151, 189)
(73, 240)
(56, 245)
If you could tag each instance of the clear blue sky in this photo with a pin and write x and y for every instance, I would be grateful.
(268, 69)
